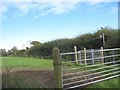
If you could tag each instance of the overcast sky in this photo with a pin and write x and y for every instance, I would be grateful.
(23, 22)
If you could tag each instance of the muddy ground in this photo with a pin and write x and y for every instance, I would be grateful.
(28, 79)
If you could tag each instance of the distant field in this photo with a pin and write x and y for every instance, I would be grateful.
(26, 63)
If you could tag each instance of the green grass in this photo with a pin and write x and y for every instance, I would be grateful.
(44, 64)
(26, 63)
(34, 73)
(112, 83)
(82, 67)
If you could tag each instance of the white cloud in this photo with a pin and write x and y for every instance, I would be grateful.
(3, 8)
(103, 0)
(59, 8)
(44, 7)
(23, 8)
(114, 9)
(60, 0)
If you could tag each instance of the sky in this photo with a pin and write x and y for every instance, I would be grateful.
(25, 21)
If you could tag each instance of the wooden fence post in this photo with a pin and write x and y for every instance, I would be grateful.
(85, 56)
(102, 55)
(57, 67)
(79, 56)
(76, 57)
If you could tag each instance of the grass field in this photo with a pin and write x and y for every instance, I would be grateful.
(37, 73)
(22, 72)
(26, 63)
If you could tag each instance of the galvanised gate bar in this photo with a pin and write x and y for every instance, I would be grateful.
(85, 67)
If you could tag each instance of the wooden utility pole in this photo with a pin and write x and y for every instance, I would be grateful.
(103, 40)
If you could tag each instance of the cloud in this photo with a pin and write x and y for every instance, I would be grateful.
(23, 8)
(104, 0)
(44, 7)
(114, 9)
(59, 8)
(3, 8)
(60, 0)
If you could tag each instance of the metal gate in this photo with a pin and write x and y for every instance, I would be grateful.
(89, 66)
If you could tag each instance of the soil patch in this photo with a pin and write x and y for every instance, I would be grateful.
(28, 79)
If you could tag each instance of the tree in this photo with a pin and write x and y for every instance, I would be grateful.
(21, 53)
(9, 52)
(14, 50)
(88, 40)
(3, 52)
(27, 48)
(35, 43)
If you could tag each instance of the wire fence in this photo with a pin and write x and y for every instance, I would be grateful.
(86, 67)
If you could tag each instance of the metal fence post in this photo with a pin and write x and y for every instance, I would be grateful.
(93, 56)
(102, 55)
(76, 57)
(113, 56)
(85, 56)
(57, 67)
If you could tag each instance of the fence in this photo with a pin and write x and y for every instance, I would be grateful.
(78, 69)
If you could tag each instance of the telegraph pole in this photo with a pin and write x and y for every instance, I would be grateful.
(103, 39)
(103, 36)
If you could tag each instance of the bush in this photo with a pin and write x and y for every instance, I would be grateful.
(86, 40)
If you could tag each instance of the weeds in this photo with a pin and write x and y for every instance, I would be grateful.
(8, 69)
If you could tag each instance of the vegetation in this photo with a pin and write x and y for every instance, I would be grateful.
(26, 63)
(42, 63)
(24, 72)
(112, 83)
(14, 50)
(88, 40)
(40, 74)
(35, 43)
(28, 79)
